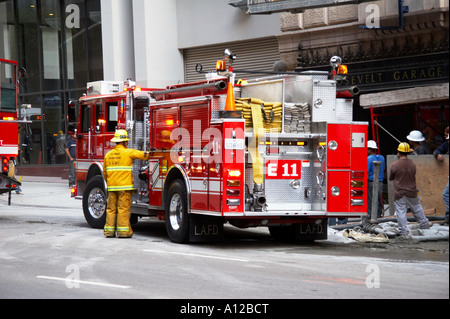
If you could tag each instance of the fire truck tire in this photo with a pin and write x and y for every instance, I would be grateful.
(177, 218)
(282, 233)
(290, 234)
(94, 203)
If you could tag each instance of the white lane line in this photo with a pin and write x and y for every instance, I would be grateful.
(195, 255)
(72, 281)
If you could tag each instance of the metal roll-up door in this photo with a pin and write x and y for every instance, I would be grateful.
(251, 55)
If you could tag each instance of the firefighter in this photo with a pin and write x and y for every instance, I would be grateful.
(117, 171)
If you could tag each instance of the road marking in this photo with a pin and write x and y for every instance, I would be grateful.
(195, 255)
(83, 282)
(329, 280)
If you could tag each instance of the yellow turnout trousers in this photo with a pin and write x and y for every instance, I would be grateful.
(118, 214)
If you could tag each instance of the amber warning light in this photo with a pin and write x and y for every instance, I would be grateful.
(221, 66)
(342, 69)
(339, 70)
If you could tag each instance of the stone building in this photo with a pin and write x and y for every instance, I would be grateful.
(397, 55)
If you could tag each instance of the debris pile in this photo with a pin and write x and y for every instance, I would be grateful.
(386, 232)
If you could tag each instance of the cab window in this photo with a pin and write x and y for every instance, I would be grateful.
(113, 115)
(99, 115)
(85, 118)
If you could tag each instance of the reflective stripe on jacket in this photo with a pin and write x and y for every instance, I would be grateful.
(118, 166)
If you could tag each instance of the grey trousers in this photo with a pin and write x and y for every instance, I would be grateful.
(72, 172)
(401, 207)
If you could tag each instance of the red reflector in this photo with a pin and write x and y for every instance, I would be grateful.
(357, 193)
(233, 192)
(357, 174)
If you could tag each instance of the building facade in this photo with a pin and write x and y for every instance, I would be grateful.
(58, 45)
(397, 53)
(64, 44)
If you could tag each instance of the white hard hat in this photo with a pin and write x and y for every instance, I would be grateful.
(415, 136)
(372, 144)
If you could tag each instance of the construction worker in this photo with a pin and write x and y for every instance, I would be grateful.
(416, 140)
(117, 171)
(403, 175)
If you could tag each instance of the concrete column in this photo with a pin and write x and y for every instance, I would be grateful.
(159, 62)
(118, 40)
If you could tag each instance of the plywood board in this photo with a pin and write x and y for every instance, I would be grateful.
(431, 179)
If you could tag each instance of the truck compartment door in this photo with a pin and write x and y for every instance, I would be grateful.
(9, 139)
(85, 132)
(346, 169)
(155, 182)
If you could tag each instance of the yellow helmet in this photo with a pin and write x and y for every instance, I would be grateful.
(404, 147)
(120, 136)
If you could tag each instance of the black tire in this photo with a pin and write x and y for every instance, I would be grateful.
(282, 233)
(177, 217)
(134, 219)
(95, 202)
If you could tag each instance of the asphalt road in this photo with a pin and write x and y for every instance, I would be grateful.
(47, 250)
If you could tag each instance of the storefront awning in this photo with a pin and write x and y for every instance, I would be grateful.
(422, 94)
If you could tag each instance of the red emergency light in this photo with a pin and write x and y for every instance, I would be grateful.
(5, 166)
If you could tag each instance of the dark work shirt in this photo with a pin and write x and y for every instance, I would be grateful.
(72, 146)
(422, 150)
(442, 149)
(403, 174)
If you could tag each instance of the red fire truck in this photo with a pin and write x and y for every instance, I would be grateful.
(8, 123)
(280, 151)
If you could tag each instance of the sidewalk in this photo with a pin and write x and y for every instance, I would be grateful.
(39, 191)
(45, 179)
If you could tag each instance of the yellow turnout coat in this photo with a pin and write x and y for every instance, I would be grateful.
(118, 166)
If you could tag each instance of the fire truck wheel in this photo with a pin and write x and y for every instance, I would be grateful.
(282, 233)
(177, 219)
(94, 203)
